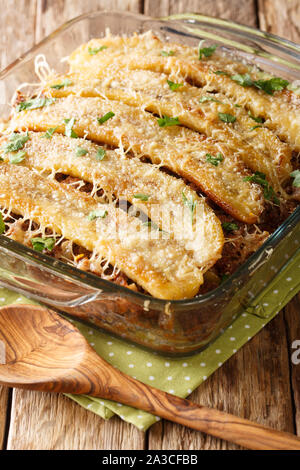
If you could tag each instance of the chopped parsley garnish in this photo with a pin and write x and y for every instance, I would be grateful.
(214, 160)
(167, 53)
(80, 151)
(63, 84)
(49, 133)
(242, 79)
(106, 117)
(229, 226)
(221, 72)
(69, 128)
(205, 51)
(268, 86)
(94, 51)
(260, 178)
(296, 175)
(16, 158)
(40, 244)
(227, 117)
(256, 119)
(35, 103)
(174, 86)
(100, 154)
(204, 99)
(166, 121)
(141, 197)
(16, 142)
(153, 225)
(255, 127)
(190, 203)
(271, 85)
(2, 224)
(97, 214)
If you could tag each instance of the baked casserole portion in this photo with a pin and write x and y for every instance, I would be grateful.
(157, 166)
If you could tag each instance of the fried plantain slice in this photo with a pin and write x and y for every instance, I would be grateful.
(160, 196)
(161, 266)
(280, 110)
(210, 165)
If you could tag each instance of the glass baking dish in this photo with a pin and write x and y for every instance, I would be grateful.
(171, 327)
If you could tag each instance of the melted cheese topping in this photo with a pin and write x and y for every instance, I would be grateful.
(125, 178)
(162, 267)
(177, 148)
(259, 148)
(280, 110)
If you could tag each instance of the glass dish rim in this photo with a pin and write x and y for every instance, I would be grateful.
(93, 280)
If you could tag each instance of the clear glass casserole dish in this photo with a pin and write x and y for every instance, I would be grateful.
(171, 327)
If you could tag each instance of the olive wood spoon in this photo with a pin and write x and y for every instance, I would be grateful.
(40, 350)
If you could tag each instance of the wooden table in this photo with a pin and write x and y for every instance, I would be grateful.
(259, 382)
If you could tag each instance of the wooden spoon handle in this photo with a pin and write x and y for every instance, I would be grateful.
(126, 390)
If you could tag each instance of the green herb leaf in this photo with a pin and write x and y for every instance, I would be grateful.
(166, 121)
(142, 197)
(40, 244)
(260, 178)
(153, 226)
(254, 127)
(106, 117)
(49, 133)
(205, 51)
(271, 85)
(69, 128)
(242, 79)
(2, 224)
(227, 117)
(16, 158)
(221, 72)
(80, 151)
(63, 84)
(97, 214)
(94, 51)
(214, 160)
(256, 119)
(229, 226)
(174, 86)
(296, 175)
(204, 99)
(190, 203)
(167, 53)
(100, 154)
(16, 142)
(35, 103)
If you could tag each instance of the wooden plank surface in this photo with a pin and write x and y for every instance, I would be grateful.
(259, 382)
(48, 421)
(49, 11)
(242, 11)
(292, 319)
(280, 17)
(12, 45)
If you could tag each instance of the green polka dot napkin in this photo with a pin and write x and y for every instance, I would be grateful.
(179, 376)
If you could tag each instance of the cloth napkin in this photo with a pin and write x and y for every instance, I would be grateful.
(179, 376)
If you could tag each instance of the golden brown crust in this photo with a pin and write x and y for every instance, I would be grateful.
(179, 149)
(144, 52)
(196, 108)
(161, 267)
(122, 178)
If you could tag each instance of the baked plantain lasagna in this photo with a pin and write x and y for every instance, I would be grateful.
(156, 166)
